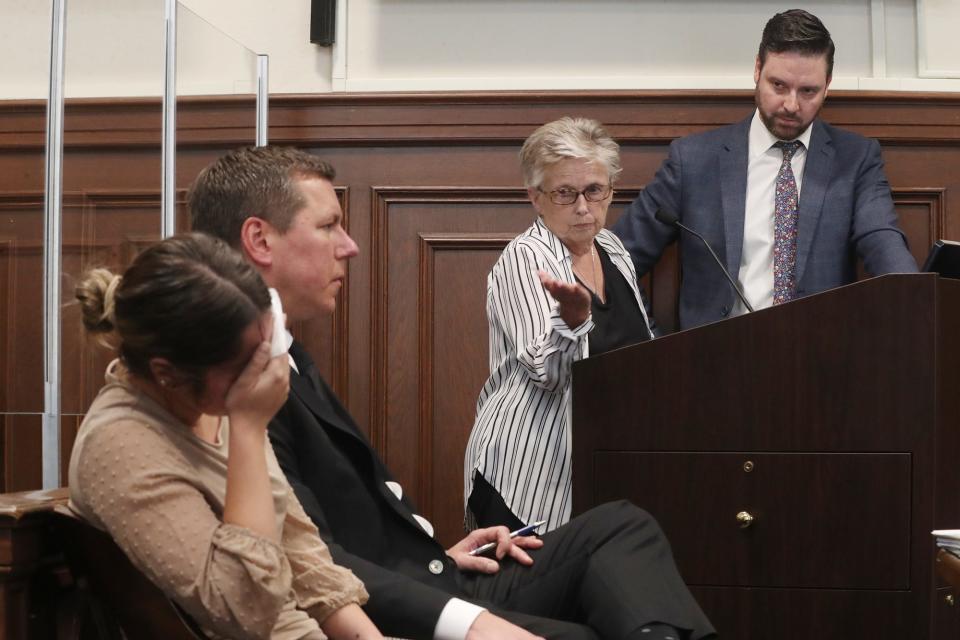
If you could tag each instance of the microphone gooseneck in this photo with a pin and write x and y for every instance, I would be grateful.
(671, 219)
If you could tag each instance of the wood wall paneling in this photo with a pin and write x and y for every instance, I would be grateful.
(402, 218)
(397, 349)
(22, 460)
(921, 214)
(7, 306)
(21, 305)
(101, 227)
(452, 362)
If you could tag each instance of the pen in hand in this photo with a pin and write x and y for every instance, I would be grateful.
(522, 531)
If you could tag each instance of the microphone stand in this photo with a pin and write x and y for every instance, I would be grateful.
(667, 218)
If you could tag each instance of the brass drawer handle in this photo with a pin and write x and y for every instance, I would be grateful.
(949, 599)
(745, 519)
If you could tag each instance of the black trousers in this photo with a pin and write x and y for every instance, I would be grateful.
(609, 573)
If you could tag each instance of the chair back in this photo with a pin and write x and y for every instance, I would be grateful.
(118, 594)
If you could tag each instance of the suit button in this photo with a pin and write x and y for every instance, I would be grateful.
(725, 311)
(436, 567)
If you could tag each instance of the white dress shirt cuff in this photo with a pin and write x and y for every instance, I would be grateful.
(570, 334)
(455, 620)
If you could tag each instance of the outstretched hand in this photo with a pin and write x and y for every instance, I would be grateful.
(573, 298)
(506, 546)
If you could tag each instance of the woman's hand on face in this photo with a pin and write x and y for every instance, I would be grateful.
(573, 298)
(261, 389)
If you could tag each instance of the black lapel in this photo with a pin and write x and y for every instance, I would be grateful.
(326, 411)
(322, 408)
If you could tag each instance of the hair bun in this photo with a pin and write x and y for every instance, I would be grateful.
(96, 294)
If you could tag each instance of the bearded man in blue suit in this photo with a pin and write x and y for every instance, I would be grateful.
(787, 201)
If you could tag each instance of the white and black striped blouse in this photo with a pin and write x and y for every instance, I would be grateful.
(520, 441)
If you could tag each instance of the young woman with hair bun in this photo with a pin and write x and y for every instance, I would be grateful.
(172, 458)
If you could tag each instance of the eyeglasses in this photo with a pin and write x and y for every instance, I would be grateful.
(593, 193)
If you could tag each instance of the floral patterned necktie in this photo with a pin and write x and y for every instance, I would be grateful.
(785, 222)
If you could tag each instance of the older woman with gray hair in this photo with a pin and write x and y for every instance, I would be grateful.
(563, 290)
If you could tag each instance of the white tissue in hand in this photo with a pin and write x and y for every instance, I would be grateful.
(278, 342)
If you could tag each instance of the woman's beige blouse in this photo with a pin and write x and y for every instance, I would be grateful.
(144, 477)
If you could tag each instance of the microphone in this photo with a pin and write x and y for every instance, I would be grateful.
(669, 218)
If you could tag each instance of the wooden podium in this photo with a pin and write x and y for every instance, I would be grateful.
(796, 457)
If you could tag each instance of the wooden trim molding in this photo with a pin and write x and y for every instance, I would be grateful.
(8, 303)
(382, 198)
(933, 199)
(430, 244)
(494, 117)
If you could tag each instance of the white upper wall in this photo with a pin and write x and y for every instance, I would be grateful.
(115, 47)
(24, 48)
(572, 44)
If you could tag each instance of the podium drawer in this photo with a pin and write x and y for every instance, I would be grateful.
(811, 520)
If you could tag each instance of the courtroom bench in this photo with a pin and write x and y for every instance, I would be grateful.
(35, 584)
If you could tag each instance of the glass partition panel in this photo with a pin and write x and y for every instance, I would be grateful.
(216, 92)
(112, 180)
(112, 186)
(25, 43)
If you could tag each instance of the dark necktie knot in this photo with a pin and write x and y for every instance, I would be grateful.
(788, 148)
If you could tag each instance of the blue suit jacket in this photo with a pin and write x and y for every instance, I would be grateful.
(845, 210)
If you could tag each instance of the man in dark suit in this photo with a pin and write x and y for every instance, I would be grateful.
(786, 200)
(608, 573)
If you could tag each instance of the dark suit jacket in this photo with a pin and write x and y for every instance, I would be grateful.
(339, 479)
(845, 210)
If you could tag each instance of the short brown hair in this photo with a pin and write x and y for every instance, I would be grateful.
(253, 181)
(187, 299)
(797, 31)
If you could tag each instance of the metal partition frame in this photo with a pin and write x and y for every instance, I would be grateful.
(263, 98)
(52, 245)
(53, 207)
(168, 203)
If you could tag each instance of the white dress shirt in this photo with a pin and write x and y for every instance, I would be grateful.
(763, 165)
